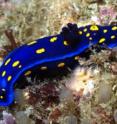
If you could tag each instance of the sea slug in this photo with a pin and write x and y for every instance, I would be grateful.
(51, 53)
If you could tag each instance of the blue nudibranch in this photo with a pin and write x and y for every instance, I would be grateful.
(51, 53)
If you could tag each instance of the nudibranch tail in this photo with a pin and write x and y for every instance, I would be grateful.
(51, 53)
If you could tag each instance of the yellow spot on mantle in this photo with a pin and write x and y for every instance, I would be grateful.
(61, 64)
(9, 78)
(102, 40)
(44, 68)
(1, 97)
(114, 28)
(80, 32)
(16, 63)
(105, 30)
(41, 50)
(94, 28)
(27, 73)
(3, 73)
(113, 37)
(65, 43)
(85, 30)
(90, 38)
(88, 34)
(31, 43)
(53, 39)
(7, 62)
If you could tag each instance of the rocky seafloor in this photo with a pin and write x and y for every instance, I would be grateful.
(86, 95)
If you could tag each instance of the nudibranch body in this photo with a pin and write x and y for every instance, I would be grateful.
(51, 53)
